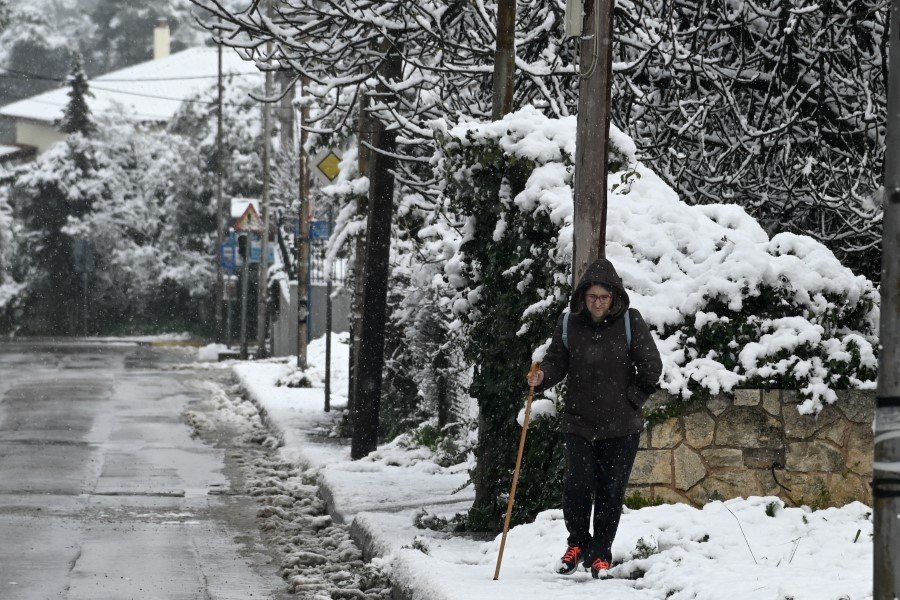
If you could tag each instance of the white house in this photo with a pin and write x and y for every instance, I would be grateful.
(149, 92)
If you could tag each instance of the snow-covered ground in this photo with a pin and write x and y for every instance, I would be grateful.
(739, 549)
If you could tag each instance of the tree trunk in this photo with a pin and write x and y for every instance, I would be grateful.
(364, 136)
(370, 361)
(504, 59)
(591, 146)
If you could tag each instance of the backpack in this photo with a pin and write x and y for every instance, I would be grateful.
(565, 328)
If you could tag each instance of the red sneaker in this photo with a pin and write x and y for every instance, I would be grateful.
(597, 566)
(570, 560)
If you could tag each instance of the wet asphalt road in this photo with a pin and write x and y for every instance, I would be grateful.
(104, 494)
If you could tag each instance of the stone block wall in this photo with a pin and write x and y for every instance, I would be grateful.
(755, 443)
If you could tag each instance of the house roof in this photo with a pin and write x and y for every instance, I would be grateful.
(150, 91)
(239, 206)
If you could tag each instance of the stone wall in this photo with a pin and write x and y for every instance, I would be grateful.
(755, 443)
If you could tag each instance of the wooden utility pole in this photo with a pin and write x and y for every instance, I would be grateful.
(591, 146)
(303, 236)
(220, 210)
(263, 280)
(886, 467)
(370, 362)
(504, 59)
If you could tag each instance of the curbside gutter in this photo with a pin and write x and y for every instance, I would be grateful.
(372, 541)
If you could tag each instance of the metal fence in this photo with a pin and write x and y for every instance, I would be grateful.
(317, 254)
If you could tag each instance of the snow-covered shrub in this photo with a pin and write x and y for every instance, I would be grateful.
(11, 287)
(729, 306)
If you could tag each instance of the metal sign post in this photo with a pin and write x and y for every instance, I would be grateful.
(83, 257)
(328, 317)
(230, 297)
(245, 275)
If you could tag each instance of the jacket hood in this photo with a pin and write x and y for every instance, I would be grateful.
(601, 272)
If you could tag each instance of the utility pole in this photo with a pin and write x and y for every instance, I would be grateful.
(370, 362)
(886, 467)
(263, 288)
(303, 235)
(220, 209)
(591, 145)
(504, 59)
(328, 318)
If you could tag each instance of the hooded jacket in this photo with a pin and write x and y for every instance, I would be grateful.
(608, 383)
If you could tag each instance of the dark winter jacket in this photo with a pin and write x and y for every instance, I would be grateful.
(607, 383)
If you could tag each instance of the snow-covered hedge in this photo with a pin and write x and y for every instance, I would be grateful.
(729, 306)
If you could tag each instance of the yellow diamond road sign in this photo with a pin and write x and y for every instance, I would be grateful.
(330, 166)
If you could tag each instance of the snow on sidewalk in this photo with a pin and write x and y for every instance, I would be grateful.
(736, 550)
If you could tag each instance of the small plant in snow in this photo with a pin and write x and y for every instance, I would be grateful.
(644, 549)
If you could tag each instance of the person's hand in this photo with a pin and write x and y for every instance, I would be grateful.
(535, 379)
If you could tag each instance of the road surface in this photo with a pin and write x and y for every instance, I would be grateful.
(104, 494)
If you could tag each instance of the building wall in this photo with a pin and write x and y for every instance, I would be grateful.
(755, 443)
(340, 309)
(284, 329)
(39, 135)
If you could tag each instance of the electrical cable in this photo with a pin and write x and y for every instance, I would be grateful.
(595, 51)
(20, 76)
(102, 78)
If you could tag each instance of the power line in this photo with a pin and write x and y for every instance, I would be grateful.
(18, 75)
(107, 112)
(159, 97)
(103, 79)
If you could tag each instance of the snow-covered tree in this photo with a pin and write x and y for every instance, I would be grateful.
(775, 105)
(242, 122)
(33, 51)
(77, 114)
(64, 183)
(5, 14)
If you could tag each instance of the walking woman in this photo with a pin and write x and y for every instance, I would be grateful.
(613, 366)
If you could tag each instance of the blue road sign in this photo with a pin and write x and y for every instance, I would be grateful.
(256, 251)
(319, 230)
(228, 255)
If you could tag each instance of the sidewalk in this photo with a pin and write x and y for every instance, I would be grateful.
(739, 549)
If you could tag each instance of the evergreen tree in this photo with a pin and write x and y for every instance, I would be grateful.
(77, 114)
(62, 185)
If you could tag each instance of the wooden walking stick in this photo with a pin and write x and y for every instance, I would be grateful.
(515, 482)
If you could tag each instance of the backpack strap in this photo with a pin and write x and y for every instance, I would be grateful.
(565, 328)
(628, 327)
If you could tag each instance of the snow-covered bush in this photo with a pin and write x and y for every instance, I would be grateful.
(729, 306)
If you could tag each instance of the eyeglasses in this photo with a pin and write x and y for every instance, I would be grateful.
(595, 298)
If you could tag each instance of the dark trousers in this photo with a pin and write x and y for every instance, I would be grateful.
(596, 474)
